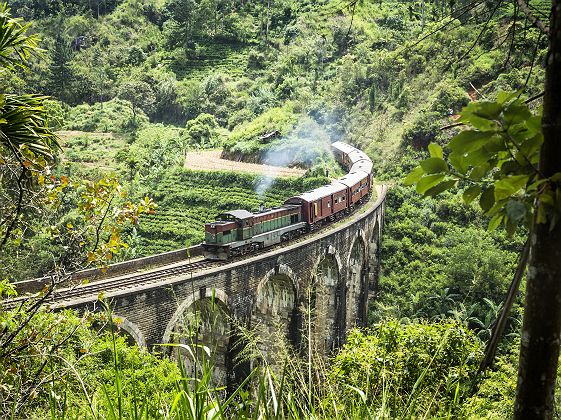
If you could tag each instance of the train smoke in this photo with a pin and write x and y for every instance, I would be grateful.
(303, 147)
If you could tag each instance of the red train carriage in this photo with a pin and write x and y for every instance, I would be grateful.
(358, 186)
(321, 203)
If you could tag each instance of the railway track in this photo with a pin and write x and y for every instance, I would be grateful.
(124, 282)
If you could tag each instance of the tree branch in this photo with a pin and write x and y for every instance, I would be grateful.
(500, 324)
(533, 19)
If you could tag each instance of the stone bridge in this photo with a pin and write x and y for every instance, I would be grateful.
(317, 287)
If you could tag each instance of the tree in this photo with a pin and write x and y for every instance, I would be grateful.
(28, 188)
(510, 160)
(541, 329)
(26, 142)
(200, 132)
(139, 94)
(61, 74)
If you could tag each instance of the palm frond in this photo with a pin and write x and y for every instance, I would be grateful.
(23, 126)
(15, 46)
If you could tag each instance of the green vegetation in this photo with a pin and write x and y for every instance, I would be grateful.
(136, 84)
(188, 199)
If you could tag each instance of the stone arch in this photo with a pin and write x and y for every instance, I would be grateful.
(274, 316)
(327, 300)
(357, 282)
(131, 330)
(202, 326)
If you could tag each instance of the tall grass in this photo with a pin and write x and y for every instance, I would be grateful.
(293, 384)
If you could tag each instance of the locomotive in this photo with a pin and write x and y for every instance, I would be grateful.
(238, 232)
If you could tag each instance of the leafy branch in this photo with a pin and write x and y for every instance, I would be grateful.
(496, 160)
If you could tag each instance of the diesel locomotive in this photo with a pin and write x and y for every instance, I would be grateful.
(238, 232)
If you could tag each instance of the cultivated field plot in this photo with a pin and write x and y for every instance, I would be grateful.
(209, 160)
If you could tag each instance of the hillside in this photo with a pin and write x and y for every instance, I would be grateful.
(141, 91)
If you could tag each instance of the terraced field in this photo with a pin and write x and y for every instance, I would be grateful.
(188, 199)
(216, 56)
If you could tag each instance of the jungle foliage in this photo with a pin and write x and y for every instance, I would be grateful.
(135, 84)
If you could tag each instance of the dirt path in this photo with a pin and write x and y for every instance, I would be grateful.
(210, 160)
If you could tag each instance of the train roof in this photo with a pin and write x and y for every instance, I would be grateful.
(238, 214)
(275, 210)
(322, 192)
(362, 165)
(357, 155)
(351, 179)
(343, 147)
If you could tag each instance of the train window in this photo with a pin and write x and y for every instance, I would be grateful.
(328, 204)
(226, 232)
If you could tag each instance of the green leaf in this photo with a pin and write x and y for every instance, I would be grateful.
(428, 182)
(469, 140)
(414, 176)
(459, 163)
(511, 226)
(479, 157)
(495, 222)
(471, 193)
(479, 172)
(515, 210)
(504, 97)
(434, 165)
(542, 215)
(435, 150)
(443, 186)
(516, 113)
(487, 199)
(506, 187)
(481, 114)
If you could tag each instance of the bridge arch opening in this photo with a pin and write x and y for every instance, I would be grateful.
(357, 303)
(201, 336)
(131, 331)
(327, 305)
(274, 316)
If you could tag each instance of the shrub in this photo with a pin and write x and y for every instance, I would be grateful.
(405, 367)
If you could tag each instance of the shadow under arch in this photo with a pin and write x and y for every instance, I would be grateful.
(357, 282)
(275, 317)
(374, 250)
(202, 329)
(327, 301)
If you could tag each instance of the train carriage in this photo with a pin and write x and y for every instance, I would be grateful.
(358, 184)
(321, 203)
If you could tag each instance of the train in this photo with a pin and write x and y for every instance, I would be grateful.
(240, 232)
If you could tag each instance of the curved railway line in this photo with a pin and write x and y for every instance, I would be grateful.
(64, 296)
(329, 216)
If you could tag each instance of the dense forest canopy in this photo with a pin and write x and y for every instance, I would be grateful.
(134, 85)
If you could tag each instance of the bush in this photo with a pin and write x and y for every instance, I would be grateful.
(423, 130)
(406, 367)
(113, 116)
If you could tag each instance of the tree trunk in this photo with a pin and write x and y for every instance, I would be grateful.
(540, 339)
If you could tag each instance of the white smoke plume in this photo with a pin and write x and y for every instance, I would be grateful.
(303, 147)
